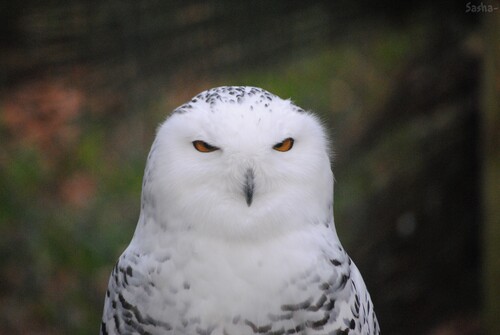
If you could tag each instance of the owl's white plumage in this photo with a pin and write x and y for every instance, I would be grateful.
(239, 240)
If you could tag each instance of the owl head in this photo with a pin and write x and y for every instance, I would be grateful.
(237, 163)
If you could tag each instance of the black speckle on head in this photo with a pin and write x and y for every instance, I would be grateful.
(230, 94)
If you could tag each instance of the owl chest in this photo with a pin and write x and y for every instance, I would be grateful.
(227, 282)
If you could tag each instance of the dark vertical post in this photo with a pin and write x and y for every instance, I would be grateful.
(491, 171)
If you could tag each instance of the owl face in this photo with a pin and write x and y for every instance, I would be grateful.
(238, 165)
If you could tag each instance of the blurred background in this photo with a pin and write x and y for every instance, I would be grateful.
(409, 90)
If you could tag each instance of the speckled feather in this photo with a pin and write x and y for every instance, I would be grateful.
(205, 261)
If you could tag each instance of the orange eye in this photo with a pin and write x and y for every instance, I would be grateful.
(285, 145)
(203, 146)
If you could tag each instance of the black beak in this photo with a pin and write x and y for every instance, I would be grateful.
(249, 186)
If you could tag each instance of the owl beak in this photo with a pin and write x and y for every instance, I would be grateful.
(249, 186)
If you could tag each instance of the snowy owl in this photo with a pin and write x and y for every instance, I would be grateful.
(236, 233)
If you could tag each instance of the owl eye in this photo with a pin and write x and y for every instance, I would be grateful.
(203, 146)
(284, 145)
